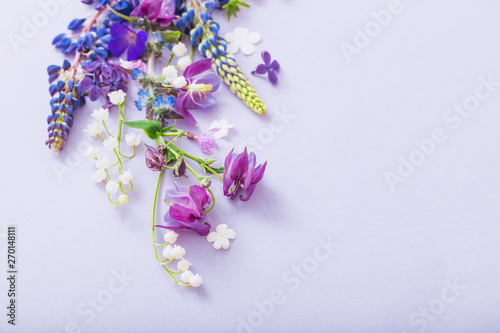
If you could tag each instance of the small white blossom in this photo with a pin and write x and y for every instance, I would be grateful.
(184, 62)
(223, 125)
(117, 97)
(180, 82)
(179, 49)
(178, 252)
(242, 39)
(123, 199)
(183, 265)
(170, 236)
(101, 114)
(167, 252)
(102, 163)
(110, 144)
(221, 236)
(195, 281)
(133, 139)
(169, 73)
(112, 187)
(98, 176)
(92, 152)
(93, 129)
(186, 276)
(126, 177)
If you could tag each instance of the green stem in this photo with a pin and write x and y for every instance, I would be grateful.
(213, 202)
(133, 153)
(106, 128)
(154, 215)
(194, 172)
(128, 18)
(194, 158)
(171, 58)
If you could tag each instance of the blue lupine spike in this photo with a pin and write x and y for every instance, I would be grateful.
(66, 64)
(52, 89)
(54, 100)
(70, 121)
(101, 53)
(190, 14)
(61, 97)
(78, 91)
(210, 5)
(53, 69)
(213, 41)
(69, 110)
(58, 38)
(60, 85)
(204, 17)
(56, 116)
(82, 100)
(64, 42)
(88, 40)
(53, 77)
(215, 25)
(69, 97)
(63, 108)
(55, 107)
(214, 30)
(75, 103)
(65, 117)
(106, 39)
(76, 24)
(71, 85)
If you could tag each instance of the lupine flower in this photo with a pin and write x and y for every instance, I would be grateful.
(271, 68)
(196, 95)
(156, 11)
(124, 37)
(242, 39)
(154, 160)
(186, 205)
(222, 127)
(240, 172)
(221, 236)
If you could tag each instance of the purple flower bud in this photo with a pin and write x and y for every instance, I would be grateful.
(154, 160)
(180, 171)
(240, 172)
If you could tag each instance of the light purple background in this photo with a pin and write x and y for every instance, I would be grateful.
(352, 121)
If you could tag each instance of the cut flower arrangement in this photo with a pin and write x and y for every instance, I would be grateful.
(116, 47)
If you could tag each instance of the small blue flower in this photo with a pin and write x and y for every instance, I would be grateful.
(143, 99)
(136, 73)
(164, 103)
(157, 38)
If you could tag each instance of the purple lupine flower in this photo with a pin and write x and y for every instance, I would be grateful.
(186, 205)
(154, 160)
(206, 141)
(196, 95)
(122, 37)
(240, 172)
(156, 11)
(271, 68)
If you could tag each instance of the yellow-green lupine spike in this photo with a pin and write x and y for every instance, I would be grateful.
(224, 64)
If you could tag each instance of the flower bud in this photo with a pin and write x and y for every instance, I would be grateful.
(123, 199)
(205, 182)
(154, 160)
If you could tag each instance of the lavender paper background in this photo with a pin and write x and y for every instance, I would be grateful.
(349, 122)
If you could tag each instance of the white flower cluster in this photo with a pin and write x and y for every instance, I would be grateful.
(170, 74)
(177, 252)
(103, 163)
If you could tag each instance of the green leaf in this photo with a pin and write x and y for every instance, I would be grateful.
(171, 36)
(167, 129)
(151, 128)
(170, 158)
(219, 170)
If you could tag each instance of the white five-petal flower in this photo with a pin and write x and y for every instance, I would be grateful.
(221, 236)
(117, 97)
(242, 39)
(133, 139)
(101, 114)
(223, 125)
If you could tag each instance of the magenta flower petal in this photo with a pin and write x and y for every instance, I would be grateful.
(197, 67)
(210, 79)
(240, 172)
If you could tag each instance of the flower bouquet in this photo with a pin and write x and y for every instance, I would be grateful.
(116, 47)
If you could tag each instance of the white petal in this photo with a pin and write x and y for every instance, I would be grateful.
(230, 37)
(233, 47)
(218, 243)
(241, 33)
(225, 244)
(221, 229)
(247, 48)
(253, 37)
(211, 237)
(230, 234)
